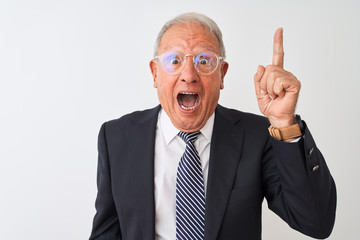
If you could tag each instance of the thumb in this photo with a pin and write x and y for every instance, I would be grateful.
(257, 78)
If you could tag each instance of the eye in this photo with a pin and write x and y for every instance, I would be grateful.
(203, 61)
(174, 61)
(171, 59)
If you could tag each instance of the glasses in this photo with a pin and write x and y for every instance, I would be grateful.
(204, 63)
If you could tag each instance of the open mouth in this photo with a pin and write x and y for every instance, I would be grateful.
(187, 100)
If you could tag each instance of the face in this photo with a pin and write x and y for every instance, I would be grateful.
(189, 98)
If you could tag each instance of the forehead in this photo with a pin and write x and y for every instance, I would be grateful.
(189, 38)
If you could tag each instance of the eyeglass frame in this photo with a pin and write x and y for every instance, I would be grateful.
(218, 58)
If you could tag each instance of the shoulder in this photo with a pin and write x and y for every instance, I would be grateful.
(243, 119)
(132, 119)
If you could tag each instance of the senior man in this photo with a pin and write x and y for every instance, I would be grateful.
(192, 169)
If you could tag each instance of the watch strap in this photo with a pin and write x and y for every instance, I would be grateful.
(292, 131)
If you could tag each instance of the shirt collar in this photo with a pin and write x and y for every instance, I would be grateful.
(169, 131)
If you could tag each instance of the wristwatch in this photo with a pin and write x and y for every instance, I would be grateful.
(292, 131)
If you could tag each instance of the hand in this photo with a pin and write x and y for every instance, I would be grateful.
(277, 90)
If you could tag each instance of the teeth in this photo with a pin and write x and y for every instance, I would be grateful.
(189, 108)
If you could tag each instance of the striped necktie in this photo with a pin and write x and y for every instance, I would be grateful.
(190, 194)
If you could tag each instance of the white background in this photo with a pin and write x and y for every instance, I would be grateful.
(66, 66)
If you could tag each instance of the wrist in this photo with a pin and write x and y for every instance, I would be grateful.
(281, 123)
(288, 133)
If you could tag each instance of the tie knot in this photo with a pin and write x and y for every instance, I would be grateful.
(189, 137)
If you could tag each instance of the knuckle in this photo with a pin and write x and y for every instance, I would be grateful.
(280, 54)
(298, 86)
(263, 84)
(279, 80)
(269, 67)
(273, 68)
(296, 82)
(273, 75)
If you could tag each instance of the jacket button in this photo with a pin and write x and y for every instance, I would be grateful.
(311, 151)
(316, 167)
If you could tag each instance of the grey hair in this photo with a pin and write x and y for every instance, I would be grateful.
(201, 19)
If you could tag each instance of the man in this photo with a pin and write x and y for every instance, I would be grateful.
(209, 180)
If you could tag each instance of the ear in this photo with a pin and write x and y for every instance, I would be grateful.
(153, 68)
(224, 68)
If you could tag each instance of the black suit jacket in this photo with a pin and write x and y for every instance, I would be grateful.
(245, 166)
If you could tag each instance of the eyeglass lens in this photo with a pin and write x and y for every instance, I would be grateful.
(172, 62)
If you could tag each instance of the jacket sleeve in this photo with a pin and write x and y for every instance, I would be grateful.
(105, 224)
(300, 189)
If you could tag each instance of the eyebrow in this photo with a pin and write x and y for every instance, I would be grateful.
(179, 48)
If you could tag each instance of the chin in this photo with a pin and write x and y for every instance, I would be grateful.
(190, 124)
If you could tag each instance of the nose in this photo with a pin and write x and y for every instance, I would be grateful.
(189, 73)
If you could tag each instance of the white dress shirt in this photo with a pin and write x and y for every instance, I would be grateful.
(169, 148)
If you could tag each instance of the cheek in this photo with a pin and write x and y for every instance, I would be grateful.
(212, 91)
(213, 87)
(211, 95)
(165, 87)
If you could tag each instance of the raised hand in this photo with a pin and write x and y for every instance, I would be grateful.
(277, 90)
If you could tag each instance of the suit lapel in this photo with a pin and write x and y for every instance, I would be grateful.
(141, 150)
(225, 153)
(226, 145)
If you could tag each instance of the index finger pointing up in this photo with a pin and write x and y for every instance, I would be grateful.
(278, 50)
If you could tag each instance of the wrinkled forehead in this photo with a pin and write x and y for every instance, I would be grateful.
(189, 38)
